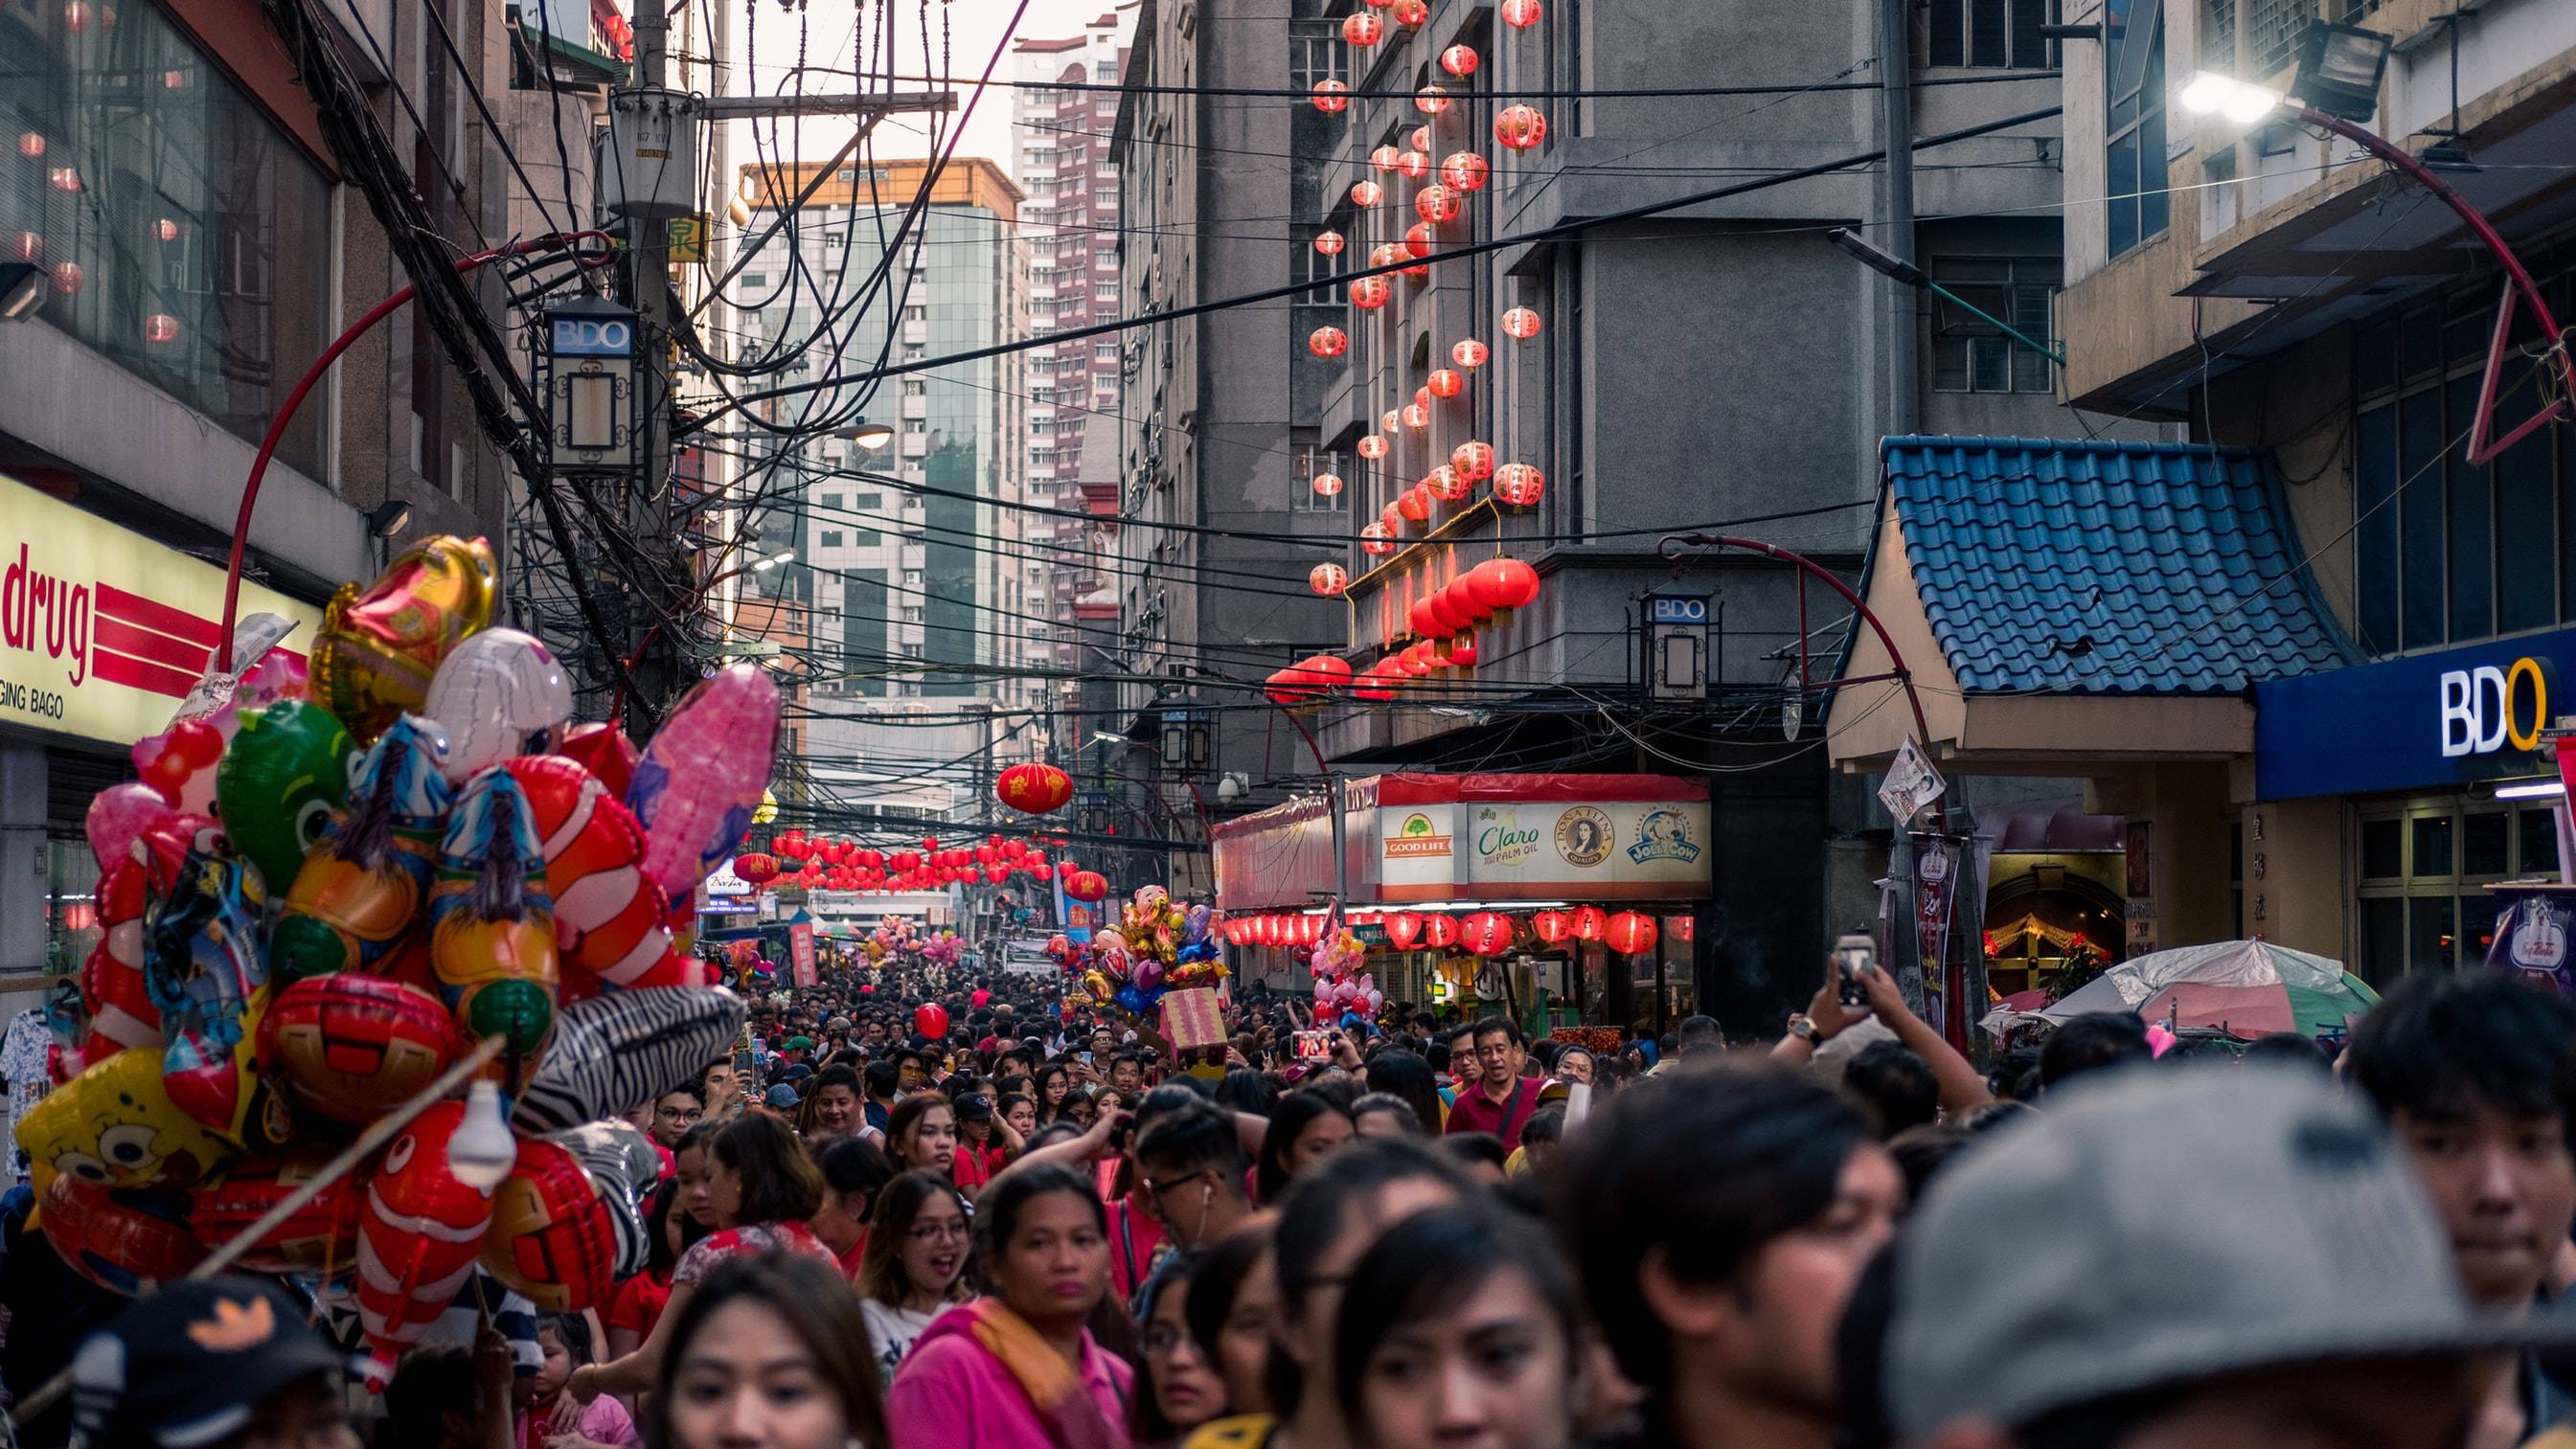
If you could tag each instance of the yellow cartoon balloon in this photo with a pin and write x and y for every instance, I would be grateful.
(114, 1125)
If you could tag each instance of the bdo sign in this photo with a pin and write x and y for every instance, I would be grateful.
(2486, 708)
(593, 336)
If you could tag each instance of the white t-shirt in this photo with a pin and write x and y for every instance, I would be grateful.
(891, 1331)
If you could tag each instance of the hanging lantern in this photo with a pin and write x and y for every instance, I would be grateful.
(31, 144)
(1370, 293)
(1419, 619)
(1552, 926)
(1420, 140)
(1432, 99)
(1376, 540)
(1440, 610)
(1328, 579)
(1679, 927)
(1522, 14)
(1520, 127)
(1440, 930)
(1373, 685)
(1328, 342)
(1037, 788)
(160, 327)
(1519, 484)
(1631, 933)
(1413, 165)
(1329, 243)
(1403, 929)
(1366, 193)
(1473, 460)
(1445, 383)
(1436, 204)
(1332, 97)
(1417, 239)
(1469, 353)
(1464, 603)
(1386, 254)
(756, 869)
(1087, 885)
(1410, 13)
(64, 178)
(1422, 395)
(1363, 29)
(1415, 504)
(1416, 416)
(1371, 446)
(1487, 933)
(1590, 923)
(1462, 651)
(1328, 484)
(1465, 171)
(68, 277)
(1332, 671)
(1384, 158)
(1503, 583)
(1459, 60)
(1393, 520)
(1521, 323)
(1447, 485)
(26, 246)
(1393, 420)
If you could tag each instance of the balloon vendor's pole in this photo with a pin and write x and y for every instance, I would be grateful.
(378, 1133)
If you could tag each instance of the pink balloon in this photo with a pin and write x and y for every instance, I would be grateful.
(120, 814)
(1376, 1001)
(701, 777)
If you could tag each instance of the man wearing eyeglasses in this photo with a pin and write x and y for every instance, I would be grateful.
(1191, 1164)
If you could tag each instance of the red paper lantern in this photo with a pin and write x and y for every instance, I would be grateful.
(1386, 254)
(1328, 579)
(1521, 324)
(1363, 29)
(1410, 13)
(1414, 503)
(1432, 99)
(1332, 97)
(1418, 239)
(1459, 60)
(1066, 870)
(1373, 684)
(1440, 930)
(1403, 929)
(1515, 583)
(1445, 485)
(1473, 460)
(1521, 14)
(1631, 933)
(1382, 158)
(1520, 127)
(1420, 620)
(1328, 342)
(1519, 484)
(1590, 922)
(1036, 787)
(1465, 171)
(1437, 204)
(1413, 165)
(756, 869)
(1462, 651)
(1416, 417)
(1370, 293)
(1469, 353)
(1087, 885)
(1376, 539)
(1371, 446)
(1329, 243)
(1446, 382)
(1366, 193)
(1332, 670)
(1487, 933)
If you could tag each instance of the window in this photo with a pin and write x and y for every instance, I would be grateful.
(1305, 264)
(832, 500)
(1315, 53)
(867, 501)
(1970, 354)
(831, 538)
(1992, 34)
(2424, 868)
(755, 279)
(2273, 28)
(2134, 64)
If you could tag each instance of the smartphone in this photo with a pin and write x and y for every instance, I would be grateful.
(1086, 1058)
(742, 1060)
(1855, 957)
(1313, 1046)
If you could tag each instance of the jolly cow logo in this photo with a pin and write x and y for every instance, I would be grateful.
(1663, 835)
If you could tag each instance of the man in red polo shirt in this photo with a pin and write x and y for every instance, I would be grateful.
(1501, 1100)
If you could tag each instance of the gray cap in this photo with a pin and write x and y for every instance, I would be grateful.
(2201, 1221)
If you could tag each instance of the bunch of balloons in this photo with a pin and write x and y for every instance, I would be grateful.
(1340, 984)
(840, 864)
(1157, 946)
(335, 881)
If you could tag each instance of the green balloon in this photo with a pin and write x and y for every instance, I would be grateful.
(282, 784)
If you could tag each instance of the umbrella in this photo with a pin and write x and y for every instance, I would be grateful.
(2244, 988)
(2013, 1010)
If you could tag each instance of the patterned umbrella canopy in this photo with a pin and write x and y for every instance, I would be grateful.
(2244, 988)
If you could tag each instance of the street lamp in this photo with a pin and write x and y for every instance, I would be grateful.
(1905, 274)
(2335, 88)
(871, 436)
(22, 290)
(784, 555)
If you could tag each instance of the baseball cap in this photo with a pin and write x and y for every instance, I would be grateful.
(782, 1097)
(974, 1107)
(796, 1072)
(800, 1043)
(189, 1365)
(2210, 1221)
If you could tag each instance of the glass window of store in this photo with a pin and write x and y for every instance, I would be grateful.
(2425, 865)
(181, 233)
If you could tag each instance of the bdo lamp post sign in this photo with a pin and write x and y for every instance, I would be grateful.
(2336, 88)
(590, 386)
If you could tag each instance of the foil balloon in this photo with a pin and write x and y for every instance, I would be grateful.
(419, 1234)
(114, 1125)
(500, 694)
(614, 1053)
(179, 764)
(624, 1163)
(124, 1240)
(201, 963)
(283, 783)
(366, 883)
(118, 816)
(554, 1231)
(701, 777)
(353, 1047)
(608, 916)
(380, 647)
(321, 1237)
(491, 926)
(116, 1002)
(606, 752)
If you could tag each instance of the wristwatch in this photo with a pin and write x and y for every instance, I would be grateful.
(1803, 1027)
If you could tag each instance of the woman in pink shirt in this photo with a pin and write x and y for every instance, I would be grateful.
(1019, 1369)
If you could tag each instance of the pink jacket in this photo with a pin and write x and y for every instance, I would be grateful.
(952, 1393)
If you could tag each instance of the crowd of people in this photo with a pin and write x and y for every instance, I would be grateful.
(1041, 1228)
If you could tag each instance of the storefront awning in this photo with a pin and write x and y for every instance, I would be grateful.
(1505, 839)
(2067, 601)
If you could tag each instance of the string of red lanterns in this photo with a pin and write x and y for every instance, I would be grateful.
(795, 859)
(1480, 933)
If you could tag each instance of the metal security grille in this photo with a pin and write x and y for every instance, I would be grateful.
(2272, 31)
(2218, 36)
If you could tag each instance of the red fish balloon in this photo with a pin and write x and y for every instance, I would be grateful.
(554, 1233)
(419, 1236)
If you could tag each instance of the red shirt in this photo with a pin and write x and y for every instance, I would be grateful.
(850, 1259)
(1135, 1236)
(970, 1169)
(1476, 1112)
(639, 1303)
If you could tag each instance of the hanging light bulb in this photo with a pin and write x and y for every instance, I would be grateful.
(482, 1151)
(1469, 353)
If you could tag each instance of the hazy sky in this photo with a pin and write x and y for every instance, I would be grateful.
(974, 29)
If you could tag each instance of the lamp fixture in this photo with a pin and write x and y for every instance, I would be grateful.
(22, 290)
(871, 436)
(389, 517)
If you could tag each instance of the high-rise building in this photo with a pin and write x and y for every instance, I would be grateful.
(915, 553)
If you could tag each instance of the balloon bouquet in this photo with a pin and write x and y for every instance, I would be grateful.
(332, 884)
(1341, 986)
(1157, 946)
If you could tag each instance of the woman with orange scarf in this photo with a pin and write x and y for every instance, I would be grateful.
(1018, 1368)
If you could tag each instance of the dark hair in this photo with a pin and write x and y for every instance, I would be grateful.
(1418, 1271)
(997, 1211)
(1245, 1090)
(815, 1302)
(2011, 1070)
(1475, 1149)
(1701, 1171)
(574, 1330)
(427, 1385)
(1437, 1054)
(906, 1117)
(854, 1164)
(1219, 1278)
(779, 1181)
(1407, 1074)
(1894, 1086)
(1052, 1133)
(1188, 1140)
(1145, 1421)
(890, 1220)
(2445, 1043)
(1290, 1117)
(884, 1078)
(1318, 1207)
(1700, 1028)
(1002, 1108)
(694, 1091)
(835, 1076)
(1488, 1025)
(2291, 1049)
(1921, 1151)
(2091, 1042)
(1545, 1126)
(1387, 1102)
(659, 1256)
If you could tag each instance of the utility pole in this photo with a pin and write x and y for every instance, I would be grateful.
(1896, 117)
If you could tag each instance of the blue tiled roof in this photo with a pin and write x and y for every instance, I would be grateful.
(2107, 567)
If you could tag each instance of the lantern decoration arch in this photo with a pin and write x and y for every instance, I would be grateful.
(1362, 29)
(1459, 60)
(1469, 353)
(1520, 485)
(1328, 579)
(1328, 342)
(1519, 128)
(1465, 171)
(1630, 933)
(1332, 97)
(1521, 323)
(1036, 788)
